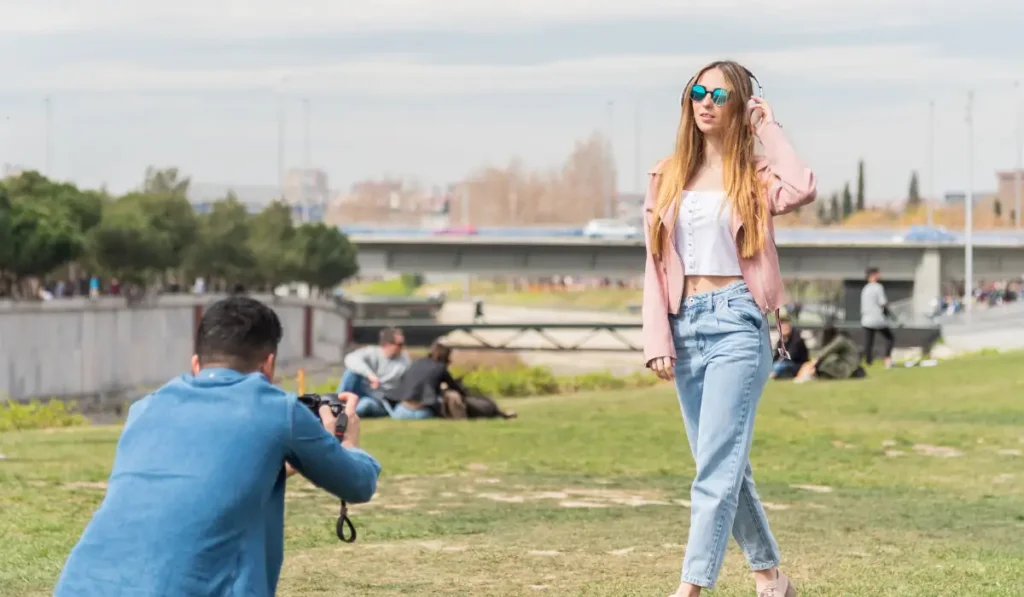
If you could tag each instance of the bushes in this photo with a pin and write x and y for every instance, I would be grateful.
(34, 415)
(540, 381)
(523, 381)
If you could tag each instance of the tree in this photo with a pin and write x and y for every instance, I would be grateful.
(834, 213)
(125, 246)
(146, 234)
(171, 216)
(43, 237)
(165, 182)
(847, 201)
(997, 208)
(822, 213)
(271, 242)
(83, 207)
(913, 195)
(6, 238)
(327, 257)
(578, 192)
(860, 186)
(221, 250)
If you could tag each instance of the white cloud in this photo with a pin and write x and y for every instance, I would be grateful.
(275, 18)
(397, 74)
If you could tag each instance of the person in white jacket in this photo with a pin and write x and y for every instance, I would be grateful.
(373, 373)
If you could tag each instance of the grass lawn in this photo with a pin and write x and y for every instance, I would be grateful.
(906, 484)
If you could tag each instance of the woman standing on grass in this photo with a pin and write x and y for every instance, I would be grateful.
(711, 277)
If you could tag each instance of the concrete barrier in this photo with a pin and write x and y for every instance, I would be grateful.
(404, 308)
(98, 351)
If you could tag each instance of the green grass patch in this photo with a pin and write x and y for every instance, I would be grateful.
(404, 285)
(909, 483)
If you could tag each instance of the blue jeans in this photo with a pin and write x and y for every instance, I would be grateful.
(369, 407)
(785, 369)
(724, 360)
(409, 414)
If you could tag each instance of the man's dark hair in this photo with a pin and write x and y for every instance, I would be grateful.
(871, 271)
(238, 332)
(389, 335)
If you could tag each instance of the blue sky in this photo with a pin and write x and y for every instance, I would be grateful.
(432, 90)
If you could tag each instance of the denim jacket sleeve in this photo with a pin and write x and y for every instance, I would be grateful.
(348, 473)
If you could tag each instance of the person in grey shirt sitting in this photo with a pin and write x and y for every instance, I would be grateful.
(373, 373)
(874, 317)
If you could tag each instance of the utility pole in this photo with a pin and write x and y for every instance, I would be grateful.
(929, 205)
(281, 115)
(969, 211)
(307, 160)
(610, 199)
(637, 188)
(1020, 147)
(48, 140)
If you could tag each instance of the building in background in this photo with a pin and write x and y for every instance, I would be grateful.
(306, 187)
(254, 197)
(390, 202)
(1007, 189)
(308, 192)
(13, 170)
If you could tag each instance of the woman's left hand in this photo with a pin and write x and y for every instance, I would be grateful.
(755, 105)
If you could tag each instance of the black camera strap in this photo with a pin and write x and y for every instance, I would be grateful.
(344, 521)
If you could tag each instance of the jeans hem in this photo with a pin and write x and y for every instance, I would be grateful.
(704, 584)
(758, 567)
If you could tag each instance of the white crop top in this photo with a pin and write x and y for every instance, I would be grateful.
(704, 235)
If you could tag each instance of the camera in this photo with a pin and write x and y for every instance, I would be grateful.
(337, 405)
(344, 528)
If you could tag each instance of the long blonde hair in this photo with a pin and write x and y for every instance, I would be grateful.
(741, 182)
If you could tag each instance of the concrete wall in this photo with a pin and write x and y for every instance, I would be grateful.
(78, 348)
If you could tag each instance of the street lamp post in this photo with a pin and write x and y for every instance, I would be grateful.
(281, 117)
(49, 137)
(609, 200)
(1020, 146)
(969, 212)
(929, 204)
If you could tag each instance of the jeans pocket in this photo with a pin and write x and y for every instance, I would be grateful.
(747, 311)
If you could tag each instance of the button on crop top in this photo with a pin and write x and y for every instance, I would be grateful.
(704, 235)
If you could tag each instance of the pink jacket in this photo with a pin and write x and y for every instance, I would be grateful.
(790, 185)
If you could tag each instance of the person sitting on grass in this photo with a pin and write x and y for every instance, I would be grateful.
(839, 357)
(419, 393)
(373, 373)
(795, 346)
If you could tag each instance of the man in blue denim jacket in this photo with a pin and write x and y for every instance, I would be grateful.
(195, 502)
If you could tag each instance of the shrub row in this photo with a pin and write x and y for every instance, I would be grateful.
(532, 381)
(36, 415)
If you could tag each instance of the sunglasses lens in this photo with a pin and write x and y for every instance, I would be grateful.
(697, 93)
(720, 96)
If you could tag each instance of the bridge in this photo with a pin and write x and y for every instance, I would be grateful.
(921, 267)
